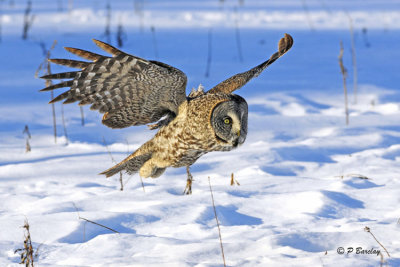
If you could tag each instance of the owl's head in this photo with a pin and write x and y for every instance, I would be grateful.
(229, 121)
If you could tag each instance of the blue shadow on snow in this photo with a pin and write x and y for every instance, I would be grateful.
(121, 223)
(361, 183)
(228, 216)
(340, 202)
(300, 242)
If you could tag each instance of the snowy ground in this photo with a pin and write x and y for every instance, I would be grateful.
(303, 190)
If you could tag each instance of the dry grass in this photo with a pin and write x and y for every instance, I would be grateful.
(237, 36)
(233, 180)
(367, 229)
(121, 35)
(216, 219)
(344, 74)
(45, 65)
(353, 58)
(28, 254)
(121, 181)
(28, 20)
(189, 182)
(28, 136)
(155, 46)
(92, 222)
(209, 53)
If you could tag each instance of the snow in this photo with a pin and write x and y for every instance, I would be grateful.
(309, 184)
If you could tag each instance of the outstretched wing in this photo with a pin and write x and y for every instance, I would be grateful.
(237, 81)
(128, 89)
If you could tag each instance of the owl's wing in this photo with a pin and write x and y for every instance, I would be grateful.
(237, 81)
(128, 89)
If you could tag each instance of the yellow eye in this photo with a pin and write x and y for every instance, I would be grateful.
(227, 121)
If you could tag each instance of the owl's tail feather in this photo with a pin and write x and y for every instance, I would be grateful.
(131, 164)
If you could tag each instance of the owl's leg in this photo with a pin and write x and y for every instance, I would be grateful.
(189, 181)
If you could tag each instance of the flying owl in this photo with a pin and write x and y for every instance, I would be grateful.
(133, 91)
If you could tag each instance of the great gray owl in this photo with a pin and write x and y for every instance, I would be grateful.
(133, 91)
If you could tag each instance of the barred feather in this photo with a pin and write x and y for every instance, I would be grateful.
(58, 85)
(84, 54)
(70, 63)
(59, 97)
(132, 164)
(129, 89)
(62, 75)
(108, 48)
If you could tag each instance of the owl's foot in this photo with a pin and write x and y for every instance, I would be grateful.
(189, 181)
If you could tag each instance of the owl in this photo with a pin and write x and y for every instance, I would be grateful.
(131, 91)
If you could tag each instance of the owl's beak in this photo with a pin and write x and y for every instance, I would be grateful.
(239, 140)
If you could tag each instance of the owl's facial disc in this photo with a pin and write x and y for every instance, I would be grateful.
(229, 120)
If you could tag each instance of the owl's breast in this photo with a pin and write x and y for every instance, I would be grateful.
(188, 158)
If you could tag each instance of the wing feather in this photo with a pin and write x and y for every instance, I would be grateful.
(62, 75)
(83, 53)
(108, 48)
(237, 81)
(58, 85)
(70, 63)
(128, 89)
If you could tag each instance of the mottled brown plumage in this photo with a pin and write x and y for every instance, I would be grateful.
(133, 91)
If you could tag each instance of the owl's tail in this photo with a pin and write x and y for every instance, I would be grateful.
(131, 164)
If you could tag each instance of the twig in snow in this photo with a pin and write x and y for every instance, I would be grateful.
(237, 34)
(82, 116)
(26, 130)
(90, 221)
(53, 112)
(365, 37)
(344, 74)
(46, 65)
(121, 35)
(233, 180)
(107, 31)
(27, 253)
(353, 58)
(28, 20)
(108, 150)
(209, 55)
(27, 146)
(64, 126)
(153, 33)
(113, 161)
(355, 175)
(307, 12)
(28, 134)
(189, 182)
(138, 6)
(367, 229)
(216, 219)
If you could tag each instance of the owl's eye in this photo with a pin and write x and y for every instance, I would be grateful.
(227, 120)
